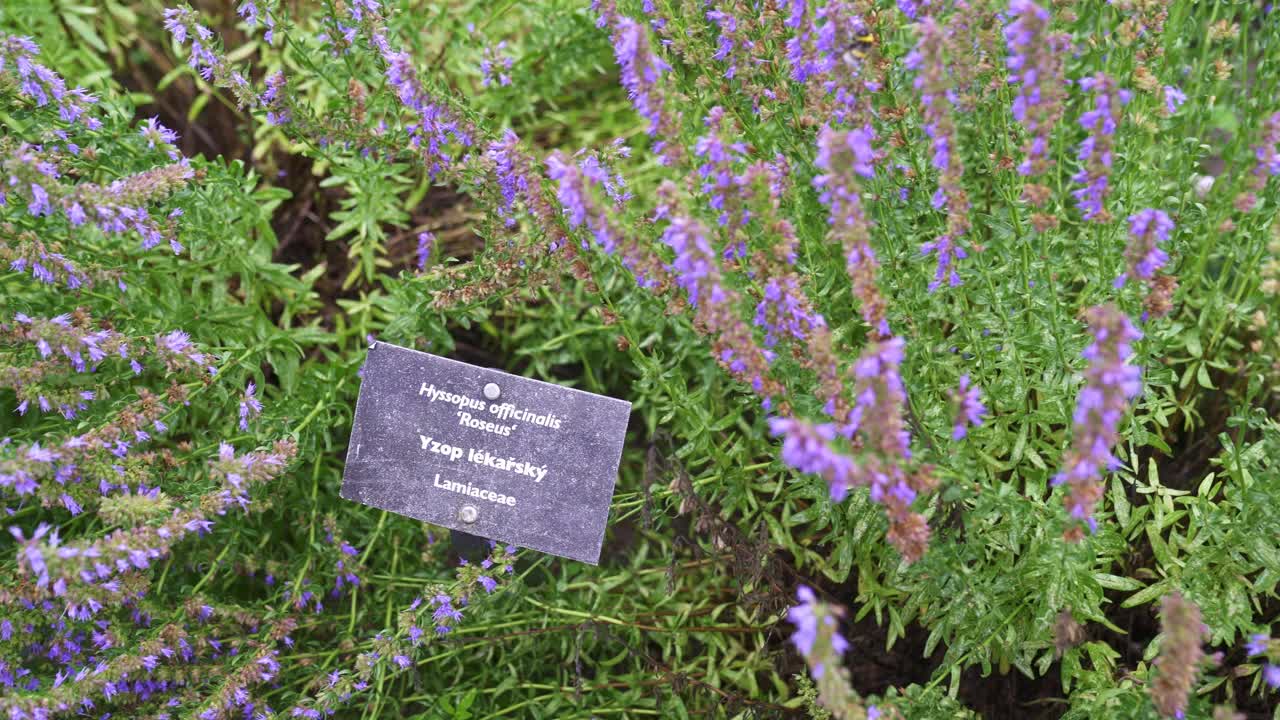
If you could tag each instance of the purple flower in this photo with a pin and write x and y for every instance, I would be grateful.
(488, 583)
(1173, 98)
(1271, 675)
(250, 406)
(843, 155)
(1143, 254)
(1095, 151)
(1258, 644)
(174, 23)
(806, 622)
(1266, 152)
(512, 182)
(816, 636)
(435, 130)
(156, 134)
(948, 252)
(1036, 66)
(807, 448)
(445, 613)
(274, 100)
(932, 80)
(248, 10)
(720, 182)
(969, 408)
(495, 56)
(42, 85)
(641, 73)
(426, 241)
(912, 8)
(1110, 383)
(784, 308)
(877, 424)
(39, 204)
(695, 261)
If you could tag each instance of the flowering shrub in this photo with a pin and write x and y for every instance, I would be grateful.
(952, 321)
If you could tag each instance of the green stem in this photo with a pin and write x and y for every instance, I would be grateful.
(213, 567)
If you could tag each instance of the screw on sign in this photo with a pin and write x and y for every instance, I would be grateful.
(484, 452)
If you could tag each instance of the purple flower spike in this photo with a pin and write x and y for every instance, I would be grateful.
(250, 406)
(1110, 384)
(932, 80)
(641, 72)
(1147, 228)
(1096, 153)
(969, 408)
(817, 637)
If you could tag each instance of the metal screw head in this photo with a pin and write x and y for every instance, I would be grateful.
(468, 514)
(492, 391)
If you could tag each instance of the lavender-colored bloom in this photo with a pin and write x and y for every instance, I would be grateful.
(932, 81)
(1266, 153)
(445, 614)
(574, 181)
(732, 45)
(1095, 151)
(117, 207)
(248, 9)
(274, 100)
(488, 583)
(694, 261)
(817, 636)
(843, 155)
(641, 73)
(1271, 675)
(877, 424)
(819, 55)
(250, 406)
(948, 251)
(807, 448)
(1036, 66)
(912, 8)
(495, 56)
(806, 622)
(717, 170)
(38, 83)
(785, 309)
(156, 134)
(39, 204)
(1110, 384)
(1258, 644)
(939, 125)
(512, 183)
(967, 400)
(1143, 254)
(435, 129)
(1173, 98)
(175, 25)
(426, 241)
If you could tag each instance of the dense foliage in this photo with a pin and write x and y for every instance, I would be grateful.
(949, 329)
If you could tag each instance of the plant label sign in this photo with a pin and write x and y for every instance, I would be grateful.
(485, 452)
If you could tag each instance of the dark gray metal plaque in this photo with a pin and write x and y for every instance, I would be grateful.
(488, 453)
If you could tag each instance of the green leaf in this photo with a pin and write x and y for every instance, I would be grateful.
(1146, 595)
(1202, 377)
(1115, 582)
